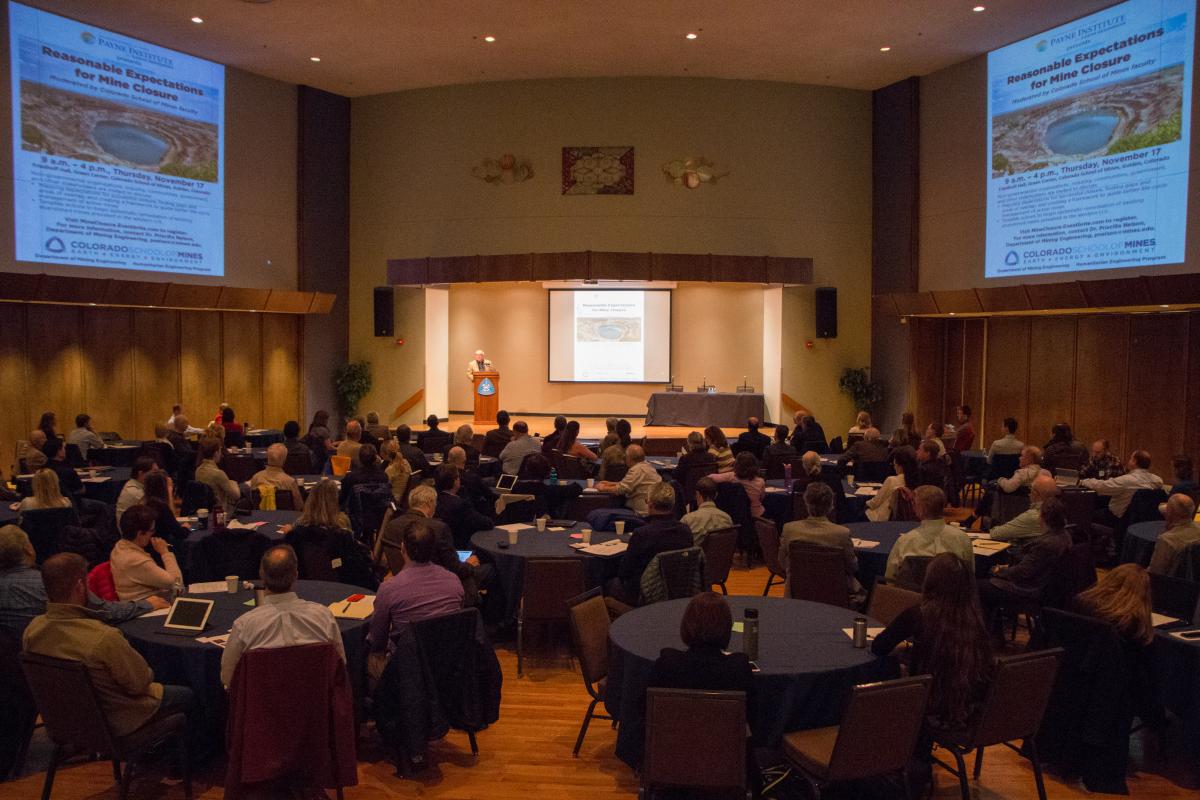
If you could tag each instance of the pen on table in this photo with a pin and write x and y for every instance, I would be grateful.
(347, 608)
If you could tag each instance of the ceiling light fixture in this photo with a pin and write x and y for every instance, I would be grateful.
(489, 39)
(314, 58)
(979, 9)
(691, 36)
(885, 48)
(198, 20)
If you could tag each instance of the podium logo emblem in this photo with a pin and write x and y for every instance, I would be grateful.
(486, 388)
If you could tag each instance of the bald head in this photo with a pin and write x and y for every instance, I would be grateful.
(279, 569)
(871, 434)
(1030, 455)
(276, 455)
(181, 423)
(1043, 488)
(37, 438)
(457, 456)
(1179, 510)
(353, 430)
(811, 461)
(634, 454)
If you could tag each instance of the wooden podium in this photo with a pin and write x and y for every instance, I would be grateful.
(485, 386)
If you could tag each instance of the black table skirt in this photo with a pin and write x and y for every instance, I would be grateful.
(701, 409)
(808, 666)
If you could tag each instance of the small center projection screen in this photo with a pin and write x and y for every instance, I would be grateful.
(610, 335)
(118, 149)
(1088, 153)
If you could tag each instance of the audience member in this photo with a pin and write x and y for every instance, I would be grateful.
(159, 497)
(817, 529)
(521, 445)
(23, 595)
(932, 536)
(883, 506)
(321, 509)
(809, 435)
(417, 461)
(899, 438)
(964, 436)
(283, 620)
(931, 468)
(176, 413)
(1008, 444)
(295, 445)
(134, 489)
(908, 423)
(350, 446)
(707, 517)
(695, 454)
(1185, 482)
(1063, 451)
(1182, 531)
(1103, 464)
(185, 454)
(718, 446)
(228, 422)
(1121, 597)
(661, 533)
(366, 472)
(752, 441)
(377, 430)
(433, 438)
(398, 470)
(551, 440)
(46, 493)
(472, 487)
(949, 643)
(124, 684)
(569, 444)
(464, 439)
(134, 571)
(56, 459)
(780, 446)
(1028, 524)
(1027, 577)
(225, 491)
(612, 458)
(318, 432)
(868, 449)
(1028, 468)
(457, 512)
(640, 478)
(861, 422)
(84, 437)
(30, 458)
(495, 439)
(745, 472)
(1120, 489)
(47, 425)
(935, 433)
(707, 663)
(273, 475)
(367, 436)
(422, 503)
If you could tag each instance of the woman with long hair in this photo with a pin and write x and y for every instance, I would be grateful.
(718, 446)
(861, 423)
(398, 470)
(47, 425)
(47, 492)
(322, 525)
(745, 472)
(160, 497)
(1122, 599)
(568, 444)
(882, 507)
(318, 431)
(321, 509)
(908, 423)
(950, 642)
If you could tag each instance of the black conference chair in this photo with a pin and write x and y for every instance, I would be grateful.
(45, 528)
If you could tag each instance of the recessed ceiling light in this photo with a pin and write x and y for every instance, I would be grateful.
(489, 39)
(978, 9)
(690, 36)
(885, 48)
(1164, 305)
(198, 20)
(314, 58)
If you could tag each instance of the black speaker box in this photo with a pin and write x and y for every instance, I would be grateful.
(826, 308)
(385, 324)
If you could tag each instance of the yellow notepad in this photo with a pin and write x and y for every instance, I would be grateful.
(359, 609)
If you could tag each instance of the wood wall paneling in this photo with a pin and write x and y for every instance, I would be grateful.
(963, 382)
(241, 335)
(1156, 395)
(281, 389)
(200, 366)
(156, 366)
(1007, 375)
(1191, 428)
(17, 419)
(56, 361)
(1101, 370)
(1051, 376)
(107, 367)
(928, 358)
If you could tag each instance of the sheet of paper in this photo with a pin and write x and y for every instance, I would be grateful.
(864, 544)
(739, 626)
(871, 633)
(158, 612)
(988, 547)
(245, 526)
(869, 484)
(556, 530)
(1161, 619)
(609, 548)
(514, 526)
(219, 640)
(866, 491)
(591, 490)
(776, 489)
(98, 479)
(210, 587)
(359, 609)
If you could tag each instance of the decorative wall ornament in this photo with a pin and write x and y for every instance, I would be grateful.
(692, 172)
(505, 169)
(597, 170)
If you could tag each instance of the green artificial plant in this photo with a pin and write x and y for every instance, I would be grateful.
(857, 384)
(351, 383)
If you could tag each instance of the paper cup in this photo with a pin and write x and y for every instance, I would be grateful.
(512, 537)
(620, 527)
(232, 584)
(591, 483)
(586, 533)
(541, 524)
(202, 518)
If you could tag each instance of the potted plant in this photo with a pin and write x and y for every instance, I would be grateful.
(857, 384)
(351, 383)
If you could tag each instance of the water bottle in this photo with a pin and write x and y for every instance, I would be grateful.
(787, 475)
(860, 632)
(553, 476)
(218, 518)
(750, 634)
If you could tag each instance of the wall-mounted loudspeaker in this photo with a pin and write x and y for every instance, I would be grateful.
(826, 308)
(385, 324)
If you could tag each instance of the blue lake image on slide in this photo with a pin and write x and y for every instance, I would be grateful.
(1081, 133)
(130, 143)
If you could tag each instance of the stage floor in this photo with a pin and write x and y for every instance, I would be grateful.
(594, 427)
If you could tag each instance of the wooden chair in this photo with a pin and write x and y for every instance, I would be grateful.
(1013, 709)
(76, 722)
(694, 740)
(590, 622)
(817, 574)
(768, 542)
(718, 556)
(549, 584)
(854, 749)
(889, 601)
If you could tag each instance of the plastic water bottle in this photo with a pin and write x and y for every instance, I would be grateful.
(750, 634)
(553, 476)
(787, 474)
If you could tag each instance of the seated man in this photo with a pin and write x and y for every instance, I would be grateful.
(364, 471)
(495, 439)
(23, 595)
(1027, 525)
(1181, 532)
(412, 454)
(124, 683)
(283, 620)
(514, 452)
(1008, 444)
(273, 475)
(661, 533)
(185, 453)
(931, 468)
(433, 439)
(294, 444)
(818, 530)
(932, 536)
(84, 437)
(809, 435)
(350, 446)
(422, 501)
(30, 458)
(551, 440)
(471, 488)
(1102, 464)
(457, 512)
(638, 481)
(1032, 571)
(752, 441)
(422, 590)
(1028, 468)
(707, 517)
(780, 446)
(377, 430)
(870, 448)
(1119, 490)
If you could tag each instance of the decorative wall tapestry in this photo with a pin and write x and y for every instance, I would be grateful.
(597, 170)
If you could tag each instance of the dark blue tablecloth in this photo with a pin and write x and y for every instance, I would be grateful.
(8, 516)
(808, 666)
(1177, 671)
(872, 561)
(264, 438)
(1140, 539)
(105, 490)
(273, 519)
(510, 561)
(116, 454)
(184, 661)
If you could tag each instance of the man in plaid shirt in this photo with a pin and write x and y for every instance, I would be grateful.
(1102, 465)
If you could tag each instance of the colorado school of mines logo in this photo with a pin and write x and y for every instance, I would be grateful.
(1012, 259)
(55, 245)
(486, 387)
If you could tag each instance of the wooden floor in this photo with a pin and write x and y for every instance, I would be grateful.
(527, 754)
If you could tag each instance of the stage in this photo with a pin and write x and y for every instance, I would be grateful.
(595, 428)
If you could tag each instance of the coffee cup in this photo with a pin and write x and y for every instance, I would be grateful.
(260, 595)
(202, 518)
(541, 524)
(586, 535)
(512, 537)
(232, 584)
(591, 483)
(620, 527)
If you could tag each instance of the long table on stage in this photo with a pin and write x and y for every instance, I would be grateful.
(701, 409)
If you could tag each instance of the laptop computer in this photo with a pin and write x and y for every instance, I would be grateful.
(188, 617)
(505, 483)
(1066, 477)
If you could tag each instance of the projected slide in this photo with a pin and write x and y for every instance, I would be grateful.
(610, 336)
(117, 149)
(1089, 142)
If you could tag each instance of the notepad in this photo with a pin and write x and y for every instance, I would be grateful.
(245, 526)
(209, 587)
(864, 544)
(220, 640)
(1161, 619)
(612, 547)
(988, 547)
(775, 489)
(866, 491)
(514, 526)
(871, 633)
(739, 626)
(98, 479)
(359, 609)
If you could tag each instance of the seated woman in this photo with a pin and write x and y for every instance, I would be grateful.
(883, 506)
(745, 472)
(950, 643)
(228, 423)
(695, 454)
(612, 452)
(718, 446)
(861, 423)
(1028, 576)
(398, 470)
(46, 493)
(569, 445)
(134, 571)
(160, 498)
(322, 539)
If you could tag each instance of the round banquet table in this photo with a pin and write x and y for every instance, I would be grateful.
(8, 515)
(510, 561)
(1140, 538)
(273, 520)
(808, 666)
(184, 661)
(264, 437)
(116, 454)
(872, 560)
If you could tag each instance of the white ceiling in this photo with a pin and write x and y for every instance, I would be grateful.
(375, 46)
